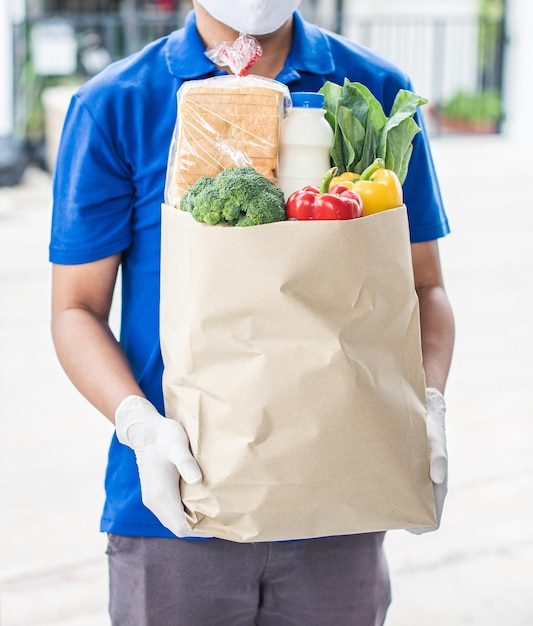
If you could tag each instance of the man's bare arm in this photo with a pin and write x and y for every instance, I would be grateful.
(87, 349)
(436, 318)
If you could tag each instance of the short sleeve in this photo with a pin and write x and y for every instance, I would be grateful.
(422, 196)
(93, 191)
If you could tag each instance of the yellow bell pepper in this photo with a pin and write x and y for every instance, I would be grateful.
(379, 188)
(347, 179)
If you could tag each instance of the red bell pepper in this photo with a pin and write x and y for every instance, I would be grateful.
(314, 203)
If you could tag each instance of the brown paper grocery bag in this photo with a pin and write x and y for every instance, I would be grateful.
(292, 359)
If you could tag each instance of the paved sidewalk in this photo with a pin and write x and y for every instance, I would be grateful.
(476, 571)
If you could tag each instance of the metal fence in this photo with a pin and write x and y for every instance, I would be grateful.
(456, 63)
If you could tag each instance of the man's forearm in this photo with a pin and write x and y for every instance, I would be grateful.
(437, 331)
(93, 359)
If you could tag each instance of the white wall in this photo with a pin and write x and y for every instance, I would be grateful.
(518, 86)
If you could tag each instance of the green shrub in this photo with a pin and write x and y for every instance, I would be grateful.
(481, 106)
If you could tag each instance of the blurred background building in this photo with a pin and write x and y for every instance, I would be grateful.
(456, 51)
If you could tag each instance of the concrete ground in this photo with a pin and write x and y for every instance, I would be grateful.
(477, 570)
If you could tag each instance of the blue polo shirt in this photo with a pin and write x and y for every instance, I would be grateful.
(109, 185)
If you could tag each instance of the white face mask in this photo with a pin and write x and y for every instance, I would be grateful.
(253, 17)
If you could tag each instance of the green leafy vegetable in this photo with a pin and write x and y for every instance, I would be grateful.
(363, 132)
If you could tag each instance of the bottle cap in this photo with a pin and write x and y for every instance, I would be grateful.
(307, 100)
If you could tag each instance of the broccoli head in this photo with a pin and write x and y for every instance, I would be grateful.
(238, 196)
(187, 200)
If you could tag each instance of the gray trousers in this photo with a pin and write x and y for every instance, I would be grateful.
(335, 581)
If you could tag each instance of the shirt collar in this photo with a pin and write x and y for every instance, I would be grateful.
(185, 53)
(310, 52)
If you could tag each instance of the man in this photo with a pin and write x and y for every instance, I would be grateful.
(108, 188)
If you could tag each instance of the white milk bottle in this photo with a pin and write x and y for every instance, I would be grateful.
(305, 141)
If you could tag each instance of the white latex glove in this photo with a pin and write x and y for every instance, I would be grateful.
(438, 456)
(161, 448)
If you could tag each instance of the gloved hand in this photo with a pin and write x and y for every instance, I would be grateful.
(161, 448)
(438, 456)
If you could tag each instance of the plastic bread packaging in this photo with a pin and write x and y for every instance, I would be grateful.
(226, 121)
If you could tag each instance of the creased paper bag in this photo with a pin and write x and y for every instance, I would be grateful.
(292, 358)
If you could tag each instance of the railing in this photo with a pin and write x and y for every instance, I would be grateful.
(456, 63)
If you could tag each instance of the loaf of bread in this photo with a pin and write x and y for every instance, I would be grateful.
(223, 124)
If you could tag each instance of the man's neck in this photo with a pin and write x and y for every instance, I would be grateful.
(276, 46)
